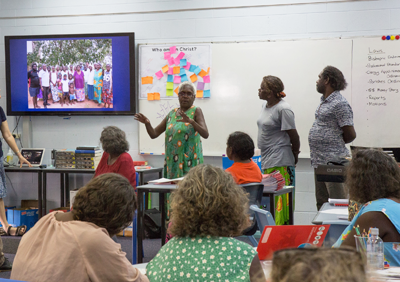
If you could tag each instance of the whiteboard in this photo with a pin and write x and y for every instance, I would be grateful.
(152, 60)
(376, 92)
(238, 69)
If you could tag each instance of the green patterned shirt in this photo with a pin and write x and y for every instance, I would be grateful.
(202, 259)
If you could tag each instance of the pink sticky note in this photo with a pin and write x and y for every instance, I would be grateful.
(159, 74)
(181, 55)
(167, 55)
(172, 49)
(187, 66)
(206, 79)
(177, 61)
(171, 71)
(171, 61)
(177, 79)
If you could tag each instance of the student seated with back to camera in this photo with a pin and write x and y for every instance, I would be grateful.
(77, 245)
(240, 149)
(207, 209)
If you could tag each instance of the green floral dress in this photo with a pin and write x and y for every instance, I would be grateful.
(202, 259)
(183, 149)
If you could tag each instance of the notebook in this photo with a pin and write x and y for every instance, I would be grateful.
(275, 238)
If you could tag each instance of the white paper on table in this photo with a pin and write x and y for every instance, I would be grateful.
(165, 180)
(336, 211)
(338, 201)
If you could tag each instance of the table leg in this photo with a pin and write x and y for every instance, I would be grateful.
(272, 205)
(62, 179)
(44, 193)
(291, 217)
(67, 189)
(40, 199)
(140, 227)
(163, 217)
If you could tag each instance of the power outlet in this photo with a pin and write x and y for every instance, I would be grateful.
(17, 136)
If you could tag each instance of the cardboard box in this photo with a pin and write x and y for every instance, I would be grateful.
(23, 216)
(32, 204)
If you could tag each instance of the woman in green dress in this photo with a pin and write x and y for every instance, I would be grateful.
(183, 128)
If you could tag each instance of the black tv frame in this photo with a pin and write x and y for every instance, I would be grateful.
(132, 84)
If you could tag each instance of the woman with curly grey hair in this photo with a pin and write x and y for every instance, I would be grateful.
(76, 245)
(208, 209)
(115, 157)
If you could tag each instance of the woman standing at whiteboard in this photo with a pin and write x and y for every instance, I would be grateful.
(183, 127)
(278, 139)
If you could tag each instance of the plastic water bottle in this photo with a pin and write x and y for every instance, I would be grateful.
(10, 156)
(375, 256)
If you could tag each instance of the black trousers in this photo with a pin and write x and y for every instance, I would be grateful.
(45, 93)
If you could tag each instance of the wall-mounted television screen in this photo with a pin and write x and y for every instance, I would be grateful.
(70, 74)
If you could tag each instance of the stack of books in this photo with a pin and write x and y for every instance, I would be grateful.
(273, 181)
(65, 158)
(87, 157)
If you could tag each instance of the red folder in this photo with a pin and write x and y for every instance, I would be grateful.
(276, 238)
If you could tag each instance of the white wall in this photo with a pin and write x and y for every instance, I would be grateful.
(157, 21)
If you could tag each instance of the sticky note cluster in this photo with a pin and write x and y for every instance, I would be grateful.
(153, 96)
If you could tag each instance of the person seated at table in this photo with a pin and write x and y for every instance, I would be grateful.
(208, 209)
(77, 245)
(373, 177)
(318, 265)
(115, 157)
(240, 149)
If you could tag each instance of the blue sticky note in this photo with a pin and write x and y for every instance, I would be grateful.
(197, 70)
(184, 78)
(192, 68)
(206, 94)
(170, 78)
(183, 63)
(182, 72)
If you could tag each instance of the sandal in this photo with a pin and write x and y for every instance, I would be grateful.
(19, 232)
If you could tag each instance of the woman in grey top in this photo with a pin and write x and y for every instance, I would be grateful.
(278, 139)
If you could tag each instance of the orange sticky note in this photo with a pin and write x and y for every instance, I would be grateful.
(156, 96)
(208, 70)
(177, 70)
(199, 94)
(147, 80)
(176, 90)
(202, 73)
(165, 68)
(193, 77)
(150, 96)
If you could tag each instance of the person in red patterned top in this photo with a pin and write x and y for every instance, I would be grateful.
(115, 157)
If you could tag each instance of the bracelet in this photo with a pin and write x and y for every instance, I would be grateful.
(17, 152)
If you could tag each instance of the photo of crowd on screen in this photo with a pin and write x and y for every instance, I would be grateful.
(70, 73)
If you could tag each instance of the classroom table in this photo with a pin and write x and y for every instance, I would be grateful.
(273, 194)
(64, 183)
(142, 173)
(36, 170)
(337, 217)
(162, 189)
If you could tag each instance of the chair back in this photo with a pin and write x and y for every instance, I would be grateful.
(255, 193)
(264, 217)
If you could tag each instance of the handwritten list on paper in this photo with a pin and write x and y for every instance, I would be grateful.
(376, 91)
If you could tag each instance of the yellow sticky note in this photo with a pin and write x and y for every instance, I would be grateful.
(193, 77)
(150, 96)
(147, 80)
(202, 73)
(176, 90)
(170, 86)
(156, 96)
(170, 92)
(177, 70)
(199, 94)
(165, 68)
